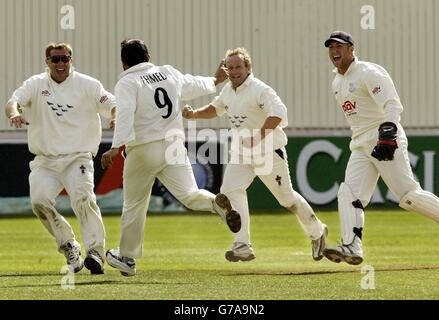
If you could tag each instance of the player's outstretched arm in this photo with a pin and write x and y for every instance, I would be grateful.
(206, 112)
(12, 113)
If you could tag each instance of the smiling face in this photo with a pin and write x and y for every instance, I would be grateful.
(237, 70)
(341, 55)
(59, 62)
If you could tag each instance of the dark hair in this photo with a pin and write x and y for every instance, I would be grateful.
(133, 51)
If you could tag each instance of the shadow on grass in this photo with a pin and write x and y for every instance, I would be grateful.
(35, 274)
(322, 272)
(105, 282)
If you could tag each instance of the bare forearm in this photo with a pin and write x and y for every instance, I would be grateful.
(269, 125)
(206, 112)
(11, 109)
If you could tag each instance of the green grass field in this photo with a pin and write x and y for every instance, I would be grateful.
(184, 259)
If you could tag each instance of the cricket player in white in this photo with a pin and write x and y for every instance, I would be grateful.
(61, 108)
(150, 125)
(257, 116)
(372, 107)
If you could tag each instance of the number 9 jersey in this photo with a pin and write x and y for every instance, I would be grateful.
(148, 102)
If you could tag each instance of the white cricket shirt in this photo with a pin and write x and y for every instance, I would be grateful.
(367, 96)
(249, 106)
(148, 102)
(63, 118)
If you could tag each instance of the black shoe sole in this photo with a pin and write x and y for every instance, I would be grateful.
(93, 266)
(230, 256)
(337, 257)
(233, 219)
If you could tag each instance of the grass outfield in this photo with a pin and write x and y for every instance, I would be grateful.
(184, 259)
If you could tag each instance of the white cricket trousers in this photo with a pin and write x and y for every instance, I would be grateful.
(363, 170)
(74, 172)
(238, 177)
(143, 164)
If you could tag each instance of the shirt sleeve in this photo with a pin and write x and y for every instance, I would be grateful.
(23, 94)
(193, 87)
(273, 106)
(126, 93)
(104, 100)
(383, 92)
(218, 104)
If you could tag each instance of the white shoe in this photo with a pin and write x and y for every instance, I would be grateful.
(319, 245)
(223, 207)
(72, 252)
(126, 266)
(94, 262)
(240, 252)
(345, 253)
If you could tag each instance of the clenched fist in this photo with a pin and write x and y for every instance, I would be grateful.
(188, 112)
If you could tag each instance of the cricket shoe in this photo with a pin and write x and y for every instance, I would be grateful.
(319, 245)
(240, 252)
(126, 266)
(72, 252)
(344, 253)
(222, 206)
(94, 262)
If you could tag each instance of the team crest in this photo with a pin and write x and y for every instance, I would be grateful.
(352, 87)
(59, 109)
(237, 120)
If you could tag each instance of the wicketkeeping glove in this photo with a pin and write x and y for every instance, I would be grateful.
(386, 146)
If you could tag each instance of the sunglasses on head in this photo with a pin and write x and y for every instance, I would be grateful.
(64, 58)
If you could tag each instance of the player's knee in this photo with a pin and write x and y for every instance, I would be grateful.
(41, 209)
(345, 193)
(188, 200)
(292, 201)
(344, 190)
(84, 205)
(410, 199)
(289, 204)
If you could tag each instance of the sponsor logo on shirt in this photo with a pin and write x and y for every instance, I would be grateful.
(45, 93)
(349, 108)
(376, 90)
(103, 99)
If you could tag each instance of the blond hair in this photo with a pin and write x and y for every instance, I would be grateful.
(58, 45)
(244, 55)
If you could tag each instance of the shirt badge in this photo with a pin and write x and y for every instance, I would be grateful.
(352, 87)
(376, 90)
(45, 93)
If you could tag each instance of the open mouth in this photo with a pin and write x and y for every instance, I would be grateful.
(336, 58)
